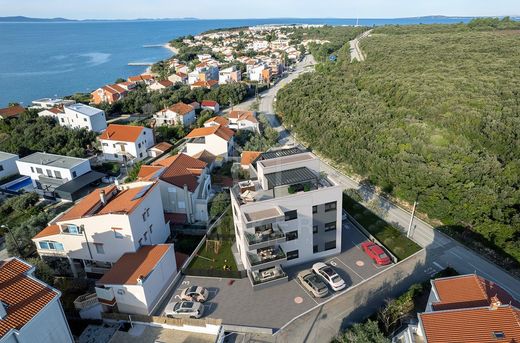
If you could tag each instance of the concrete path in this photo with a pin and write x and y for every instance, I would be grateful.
(355, 51)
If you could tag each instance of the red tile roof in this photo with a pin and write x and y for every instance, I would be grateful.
(139, 78)
(219, 120)
(163, 146)
(134, 265)
(24, 295)
(11, 111)
(176, 218)
(50, 230)
(180, 170)
(472, 325)
(209, 103)
(222, 132)
(243, 115)
(122, 133)
(181, 108)
(205, 156)
(468, 291)
(165, 83)
(247, 157)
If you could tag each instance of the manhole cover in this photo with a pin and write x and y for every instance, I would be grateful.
(298, 300)
(360, 263)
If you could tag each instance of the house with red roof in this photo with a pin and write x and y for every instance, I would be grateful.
(11, 112)
(185, 185)
(146, 79)
(160, 85)
(217, 121)
(126, 143)
(112, 93)
(137, 281)
(210, 84)
(218, 140)
(179, 77)
(466, 308)
(243, 120)
(30, 310)
(100, 228)
(177, 114)
(210, 105)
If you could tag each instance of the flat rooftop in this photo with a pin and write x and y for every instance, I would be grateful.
(280, 153)
(5, 156)
(290, 177)
(287, 159)
(263, 214)
(53, 160)
(83, 109)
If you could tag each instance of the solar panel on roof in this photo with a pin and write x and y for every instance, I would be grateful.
(280, 153)
(291, 176)
(141, 192)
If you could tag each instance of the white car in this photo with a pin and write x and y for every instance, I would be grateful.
(329, 275)
(184, 309)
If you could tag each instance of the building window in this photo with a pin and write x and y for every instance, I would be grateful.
(72, 229)
(74, 174)
(291, 255)
(314, 209)
(330, 206)
(290, 215)
(32, 170)
(51, 246)
(105, 144)
(39, 170)
(57, 174)
(99, 248)
(315, 248)
(84, 119)
(144, 216)
(315, 229)
(1, 167)
(145, 235)
(116, 156)
(141, 154)
(291, 236)
(140, 242)
(330, 226)
(139, 145)
(330, 245)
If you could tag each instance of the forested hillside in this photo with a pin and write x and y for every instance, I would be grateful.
(433, 112)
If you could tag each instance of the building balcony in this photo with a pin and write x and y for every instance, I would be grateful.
(106, 296)
(266, 258)
(266, 238)
(267, 277)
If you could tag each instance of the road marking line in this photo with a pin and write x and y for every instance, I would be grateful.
(357, 246)
(438, 265)
(451, 252)
(306, 292)
(337, 259)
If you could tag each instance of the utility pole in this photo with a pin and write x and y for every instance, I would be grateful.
(411, 219)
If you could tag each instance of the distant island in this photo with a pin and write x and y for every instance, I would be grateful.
(22, 19)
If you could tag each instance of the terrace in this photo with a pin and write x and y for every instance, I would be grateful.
(266, 257)
(265, 236)
(267, 277)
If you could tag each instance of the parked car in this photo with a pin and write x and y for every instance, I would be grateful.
(195, 293)
(376, 253)
(330, 276)
(311, 282)
(184, 309)
(344, 215)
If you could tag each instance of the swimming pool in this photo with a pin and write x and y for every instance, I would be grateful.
(20, 184)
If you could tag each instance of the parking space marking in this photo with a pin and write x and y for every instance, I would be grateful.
(337, 259)
(310, 296)
(378, 267)
(438, 265)
(357, 246)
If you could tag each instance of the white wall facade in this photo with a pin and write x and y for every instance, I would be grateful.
(213, 143)
(168, 117)
(75, 119)
(34, 171)
(137, 151)
(8, 165)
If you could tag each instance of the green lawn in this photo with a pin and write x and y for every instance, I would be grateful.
(208, 260)
(391, 237)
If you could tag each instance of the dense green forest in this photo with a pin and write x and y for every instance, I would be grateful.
(433, 113)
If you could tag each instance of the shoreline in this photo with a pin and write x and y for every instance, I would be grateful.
(175, 51)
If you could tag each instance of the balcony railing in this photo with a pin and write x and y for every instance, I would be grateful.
(86, 301)
(269, 237)
(265, 256)
(268, 275)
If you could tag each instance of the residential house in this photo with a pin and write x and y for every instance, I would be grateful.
(112, 93)
(185, 185)
(248, 157)
(78, 116)
(243, 120)
(210, 105)
(11, 111)
(289, 214)
(160, 85)
(218, 140)
(178, 114)
(146, 79)
(159, 149)
(126, 142)
(229, 75)
(8, 165)
(178, 77)
(217, 121)
(195, 105)
(49, 171)
(137, 281)
(48, 103)
(182, 68)
(465, 308)
(205, 84)
(109, 222)
(260, 73)
(30, 310)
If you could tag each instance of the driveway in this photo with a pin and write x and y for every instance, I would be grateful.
(236, 303)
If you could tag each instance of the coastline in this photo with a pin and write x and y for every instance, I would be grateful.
(175, 51)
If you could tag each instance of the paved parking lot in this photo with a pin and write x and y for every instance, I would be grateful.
(235, 302)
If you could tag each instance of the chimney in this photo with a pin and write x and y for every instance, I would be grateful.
(3, 311)
(495, 303)
(103, 197)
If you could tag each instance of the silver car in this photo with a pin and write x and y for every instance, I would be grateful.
(195, 293)
(311, 282)
(184, 309)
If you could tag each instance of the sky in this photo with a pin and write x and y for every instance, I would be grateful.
(230, 9)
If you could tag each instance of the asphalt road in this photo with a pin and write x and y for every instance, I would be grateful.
(355, 50)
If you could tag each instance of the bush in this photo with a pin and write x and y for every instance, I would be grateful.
(219, 204)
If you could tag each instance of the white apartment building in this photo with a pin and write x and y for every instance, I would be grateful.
(78, 116)
(185, 184)
(30, 310)
(243, 120)
(289, 215)
(49, 171)
(48, 103)
(217, 140)
(104, 225)
(178, 114)
(138, 280)
(229, 75)
(8, 164)
(126, 143)
(258, 73)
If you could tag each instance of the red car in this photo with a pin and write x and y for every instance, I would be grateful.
(376, 253)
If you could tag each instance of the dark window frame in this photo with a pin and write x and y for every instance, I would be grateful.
(328, 205)
(293, 254)
(291, 215)
(291, 236)
(328, 227)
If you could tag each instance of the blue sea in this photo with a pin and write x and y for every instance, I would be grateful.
(60, 58)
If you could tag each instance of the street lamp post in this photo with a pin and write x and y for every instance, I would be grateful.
(14, 239)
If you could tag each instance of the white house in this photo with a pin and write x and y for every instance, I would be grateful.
(30, 310)
(210, 105)
(47, 103)
(185, 185)
(49, 171)
(126, 142)
(229, 75)
(78, 116)
(138, 279)
(178, 114)
(217, 140)
(104, 225)
(8, 164)
(243, 120)
(178, 77)
(217, 121)
(290, 214)
(160, 85)
(259, 73)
